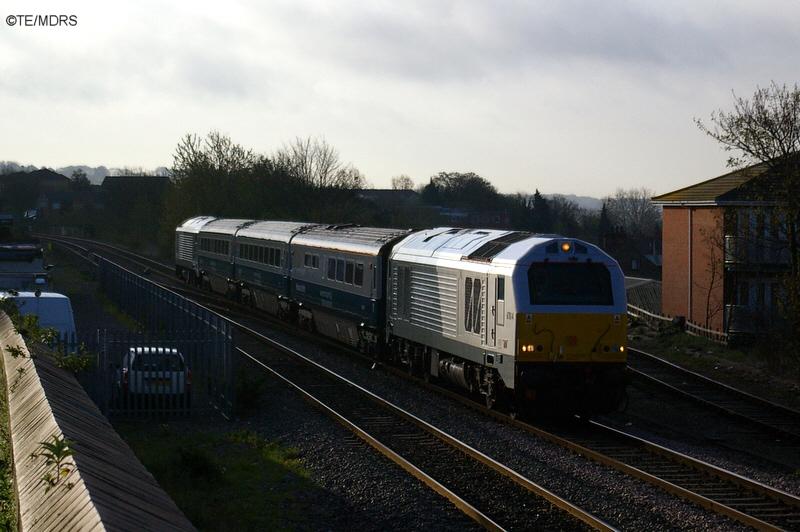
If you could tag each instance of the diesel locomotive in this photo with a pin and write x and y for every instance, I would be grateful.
(538, 322)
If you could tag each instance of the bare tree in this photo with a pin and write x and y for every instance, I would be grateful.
(316, 164)
(634, 212)
(402, 182)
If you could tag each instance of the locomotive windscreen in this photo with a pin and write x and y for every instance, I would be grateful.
(570, 283)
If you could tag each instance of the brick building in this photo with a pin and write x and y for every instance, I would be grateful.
(724, 251)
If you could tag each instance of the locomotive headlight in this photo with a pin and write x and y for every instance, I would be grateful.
(566, 247)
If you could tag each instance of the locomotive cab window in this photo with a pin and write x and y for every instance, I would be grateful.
(582, 283)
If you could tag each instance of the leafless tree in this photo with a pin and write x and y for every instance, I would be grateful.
(634, 212)
(402, 182)
(316, 164)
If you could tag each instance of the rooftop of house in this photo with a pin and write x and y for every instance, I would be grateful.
(758, 184)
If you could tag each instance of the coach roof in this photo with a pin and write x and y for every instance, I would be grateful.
(350, 238)
(272, 230)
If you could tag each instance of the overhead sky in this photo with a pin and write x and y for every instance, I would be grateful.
(563, 96)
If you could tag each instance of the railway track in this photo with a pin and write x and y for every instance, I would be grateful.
(782, 422)
(453, 469)
(89, 249)
(749, 502)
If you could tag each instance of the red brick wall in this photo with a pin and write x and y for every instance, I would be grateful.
(688, 277)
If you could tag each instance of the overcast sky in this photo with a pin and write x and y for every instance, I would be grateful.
(567, 96)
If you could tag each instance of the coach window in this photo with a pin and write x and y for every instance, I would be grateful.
(331, 268)
(359, 279)
(349, 272)
(340, 270)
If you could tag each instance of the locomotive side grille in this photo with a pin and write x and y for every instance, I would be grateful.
(434, 301)
(185, 247)
(426, 298)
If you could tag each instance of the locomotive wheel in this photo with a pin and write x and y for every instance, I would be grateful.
(490, 401)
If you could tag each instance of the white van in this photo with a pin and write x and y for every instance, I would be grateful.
(54, 310)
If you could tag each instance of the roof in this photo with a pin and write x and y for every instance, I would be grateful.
(349, 237)
(276, 231)
(755, 184)
(493, 246)
(390, 196)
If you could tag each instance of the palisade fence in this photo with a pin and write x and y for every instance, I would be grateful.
(644, 303)
(202, 380)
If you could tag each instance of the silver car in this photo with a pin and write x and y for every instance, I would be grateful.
(158, 372)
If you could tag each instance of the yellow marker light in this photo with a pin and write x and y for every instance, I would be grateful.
(566, 247)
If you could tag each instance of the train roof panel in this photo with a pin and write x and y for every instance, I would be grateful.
(495, 246)
(351, 238)
(224, 226)
(194, 225)
(275, 231)
(448, 242)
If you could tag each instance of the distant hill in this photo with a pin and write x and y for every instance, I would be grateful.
(95, 175)
(585, 202)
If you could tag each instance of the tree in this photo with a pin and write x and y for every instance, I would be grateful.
(604, 225)
(466, 191)
(209, 175)
(79, 181)
(633, 211)
(316, 164)
(566, 215)
(402, 182)
(541, 217)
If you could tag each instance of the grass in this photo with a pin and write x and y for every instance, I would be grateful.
(224, 481)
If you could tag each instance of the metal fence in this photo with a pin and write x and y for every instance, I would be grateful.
(183, 364)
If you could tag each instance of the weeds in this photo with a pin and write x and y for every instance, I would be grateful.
(55, 454)
(8, 498)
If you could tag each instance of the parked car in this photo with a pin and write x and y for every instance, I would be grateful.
(156, 373)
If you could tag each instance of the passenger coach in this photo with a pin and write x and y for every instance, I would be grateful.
(338, 281)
